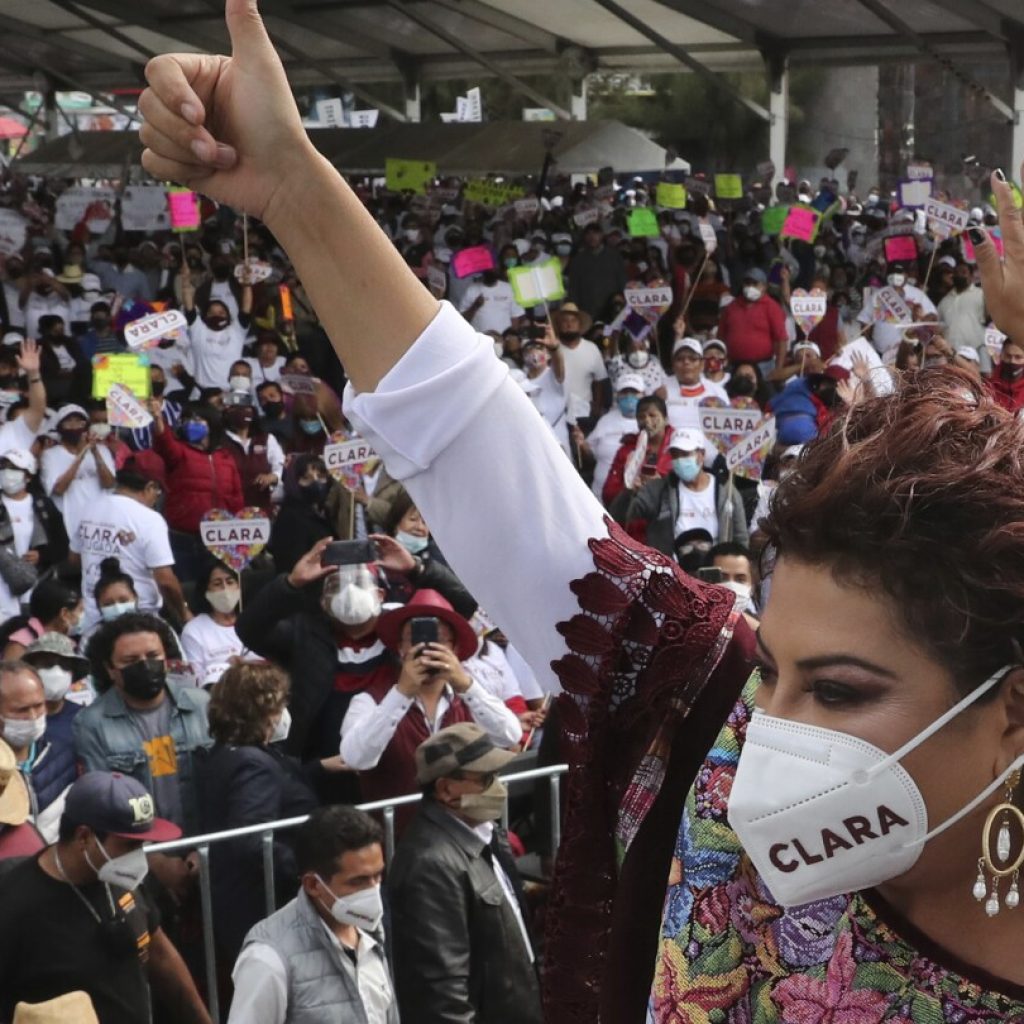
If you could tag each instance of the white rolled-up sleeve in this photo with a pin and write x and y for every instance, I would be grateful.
(508, 509)
(368, 727)
(489, 712)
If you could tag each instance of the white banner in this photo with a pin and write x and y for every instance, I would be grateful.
(729, 421)
(943, 219)
(75, 202)
(220, 533)
(144, 208)
(753, 442)
(648, 298)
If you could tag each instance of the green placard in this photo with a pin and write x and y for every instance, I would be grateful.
(1018, 198)
(773, 218)
(534, 285)
(121, 368)
(643, 223)
(671, 196)
(728, 186)
(409, 175)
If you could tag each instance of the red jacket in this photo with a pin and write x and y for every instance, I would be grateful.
(661, 462)
(1007, 393)
(751, 330)
(197, 481)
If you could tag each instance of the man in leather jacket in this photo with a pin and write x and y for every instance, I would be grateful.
(462, 951)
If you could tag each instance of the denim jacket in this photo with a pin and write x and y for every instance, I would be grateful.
(105, 740)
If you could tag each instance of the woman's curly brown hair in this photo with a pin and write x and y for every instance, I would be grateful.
(243, 701)
(921, 495)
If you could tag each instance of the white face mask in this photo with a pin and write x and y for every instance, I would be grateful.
(12, 481)
(751, 293)
(354, 605)
(223, 601)
(411, 542)
(364, 909)
(282, 728)
(743, 592)
(897, 280)
(56, 682)
(20, 733)
(126, 871)
(239, 383)
(821, 813)
(101, 431)
(638, 358)
(113, 611)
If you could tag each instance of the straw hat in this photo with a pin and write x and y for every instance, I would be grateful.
(72, 1008)
(14, 806)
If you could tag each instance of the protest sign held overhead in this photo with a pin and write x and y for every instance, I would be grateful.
(235, 538)
(538, 284)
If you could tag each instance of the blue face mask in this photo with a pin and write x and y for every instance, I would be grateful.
(628, 404)
(413, 544)
(511, 262)
(687, 469)
(310, 426)
(195, 431)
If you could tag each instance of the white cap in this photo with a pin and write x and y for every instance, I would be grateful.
(561, 237)
(947, 261)
(12, 338)
(715, 343)
(522, 246)
(21, 458)
(691, 343)
(65, 411)
(91, 283)
(968, 352)
(631, 382)
(687, 440)
(809, 346)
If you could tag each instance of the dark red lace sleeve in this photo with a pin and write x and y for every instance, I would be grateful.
(641, 650)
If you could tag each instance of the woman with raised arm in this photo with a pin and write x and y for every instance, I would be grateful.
(827, 866)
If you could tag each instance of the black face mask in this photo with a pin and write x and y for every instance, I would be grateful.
(316, 492)
(156, 388)
(744, 387)
(144, 679)
(570, 335)
(217, 323)
(72, 436)
(1009, 371)
(273, 410)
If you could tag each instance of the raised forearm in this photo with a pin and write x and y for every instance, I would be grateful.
(370, 303)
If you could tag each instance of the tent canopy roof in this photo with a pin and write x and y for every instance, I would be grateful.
(103, 44)
(508, 147)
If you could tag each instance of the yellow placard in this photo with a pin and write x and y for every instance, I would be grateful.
(409, 175)
(728, 186)
(128, 369)
(491, 193)
(670, 196)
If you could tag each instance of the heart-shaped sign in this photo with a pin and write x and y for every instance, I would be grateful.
(235, 538)
(346, 457)
(651, 301)
(747, 416)
(808, 308)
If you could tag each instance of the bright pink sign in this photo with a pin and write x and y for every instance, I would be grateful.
(472, 261)
(801, 223)
(901, 249)
(969, 255)
(184, 208)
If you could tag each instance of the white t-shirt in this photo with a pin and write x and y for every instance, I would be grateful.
(652, 373)
(213, 352)
(16, 434)
(206, 643)
(121, 527)
(683, 404)
(697, 510)
(885, 335)
(23, 520)
(583, 366)
(549, 401)
(499, 307)
(85, 489)
(220, 291)
(263, 374)
(605, 440)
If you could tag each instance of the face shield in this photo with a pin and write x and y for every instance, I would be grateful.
(351, 595)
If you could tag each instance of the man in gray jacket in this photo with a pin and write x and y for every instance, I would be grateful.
(320, 959)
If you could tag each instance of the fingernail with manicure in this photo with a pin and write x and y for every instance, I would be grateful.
(202, 150)
(999, 174)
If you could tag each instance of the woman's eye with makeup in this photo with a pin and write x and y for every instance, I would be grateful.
(832, 694)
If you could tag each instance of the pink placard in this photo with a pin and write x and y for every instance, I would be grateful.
(472, 261)
(969, 255)
(184, 208)
(901, 249)
(801, 223)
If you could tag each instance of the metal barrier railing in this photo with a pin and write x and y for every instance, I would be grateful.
(267, 830)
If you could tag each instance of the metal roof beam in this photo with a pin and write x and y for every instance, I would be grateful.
(51, 38)
(898, 25)
(723, 21)
(680, 54)
(484, 14)
(985, 18)
(453, 41)
(90, 19)
(135, 14)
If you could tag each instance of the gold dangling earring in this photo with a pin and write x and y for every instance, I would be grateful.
(1000, 866)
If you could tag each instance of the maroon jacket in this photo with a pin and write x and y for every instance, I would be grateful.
(251, 465)
(1008, 393)
(197, 481)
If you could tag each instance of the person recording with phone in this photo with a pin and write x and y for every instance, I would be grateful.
(429, 690)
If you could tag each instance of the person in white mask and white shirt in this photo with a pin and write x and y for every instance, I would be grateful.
(321, 957)
(216, 339)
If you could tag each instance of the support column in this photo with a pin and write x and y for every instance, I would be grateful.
(578, 105)
(413, 101)
(778, 108)
(52, 113)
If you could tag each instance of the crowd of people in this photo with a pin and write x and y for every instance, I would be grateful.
(149, 691)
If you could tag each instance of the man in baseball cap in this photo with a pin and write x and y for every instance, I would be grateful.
(74, 918)
(455, 897)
